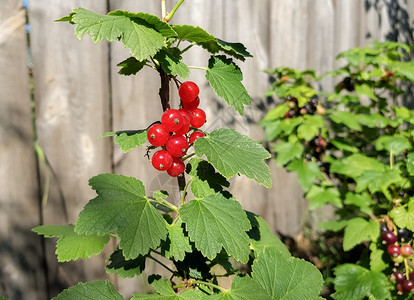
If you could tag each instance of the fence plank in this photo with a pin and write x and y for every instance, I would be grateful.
(72, 103)
(21, 257)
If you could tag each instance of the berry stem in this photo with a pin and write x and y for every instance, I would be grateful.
(165, 204)
(185, 193)
(199, 68)
(172, 12)
(162, 264)
(164, 10)
(223, 290)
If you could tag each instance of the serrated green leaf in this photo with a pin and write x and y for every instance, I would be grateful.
(131, 66)
(231, 153)
(179, 243)
(376, 181)
(353, 166)
(125, 268)
(404, 217)
(205, 180)
(355, 282)
(319, 196)
(226, 80)
(170, 60)
(262, 238)
(366, 90)
(410, 163)
(405, 69)
(394, 144)
(287, 151)
(136, 34)
(333, 225)
(286, 278)
(362, 201)
(237, 50)
(71, 245)
(343, 145)
(128, 142)
(310, 127)
(358, 230)
(277, 113)
(347, 118)
(215, 222)
(94, 290)
(122, 205)
(307, 172)
(373, 120)
(377, 262)
(243, 288)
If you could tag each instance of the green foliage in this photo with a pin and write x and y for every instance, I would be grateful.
(94, 290)
(352, 149)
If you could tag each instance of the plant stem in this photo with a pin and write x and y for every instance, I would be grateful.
(164, 10)
(199, 68)
(171, 14)
(166, 204)
(185, 193)
(223, 290)
(164, 91)
(392, 159)
(162, 264)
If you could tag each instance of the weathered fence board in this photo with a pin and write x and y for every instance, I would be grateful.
(72, 110)
(21, 256)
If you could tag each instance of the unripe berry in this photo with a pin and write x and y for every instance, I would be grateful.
(406, 250)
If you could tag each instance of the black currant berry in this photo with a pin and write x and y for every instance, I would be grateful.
(383, 227)
(389, 237)
(404, 235)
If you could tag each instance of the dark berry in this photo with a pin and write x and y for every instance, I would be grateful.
(162, 160)
(383, 227)
(411, 275)
(394, 250)
(407, 285)
(349, 84)
(188, 91)
(404, 235)
(399, 277)
(389, 237)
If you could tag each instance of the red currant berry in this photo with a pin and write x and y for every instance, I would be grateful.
(196, 135)
(177, 145)
(172, 120)
(191, 105)
(177, 168)
(199, 117)
(406, 250)
(407, 285)
(186, 113)
(399, 277)
(162, 160)
(185, 126)
(392, 250)
(389, 237)
(157, 135)
(188, 91)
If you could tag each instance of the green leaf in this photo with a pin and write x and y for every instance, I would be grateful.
(307, 172)
(131, 66)
(231, 152)
(71, 245)
(357, 283)
(277, 113)
(205, 180)
(140, 37)
(122, 205)
(376, 181)
(237, 50)
(128, 142)
(125, 268)
(365, 90)
(243, 288)
(404, 217)
(286, 278)
(347, 118)
(405, 69)
(362, 201)
(344, 145)
(226, 80)
(310, 127)
(262, 238)
(287, 151)
(396, 144)
(377, 262)
(215, 222)
(319, 196)
(410, 163)
(333, 225)
(353, 166)
(94, 290)
(179, 243)
(373, 120)
(170, 60)
(358, 230)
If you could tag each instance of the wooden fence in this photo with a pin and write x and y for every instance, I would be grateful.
(78, 95)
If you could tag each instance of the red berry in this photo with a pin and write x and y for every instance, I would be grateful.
(394, 250)
(188, 91)
(196, 135)
(157, 135)
(199, 117)
(399, 277)
(162, 160)
(177, 168)
(389, 237)
(185, 127)
(411, 275)
(191, 105)
(407, 285)
(172, 120)
(186, 113)
(177, 145)
(406, 250)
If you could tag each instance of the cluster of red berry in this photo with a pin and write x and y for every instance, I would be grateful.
(400, 251)
(173, 132)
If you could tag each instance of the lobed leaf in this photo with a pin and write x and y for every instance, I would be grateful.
(94, 290)
(179, 243)
(358, 230)
(125, 268)
(307, 172)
